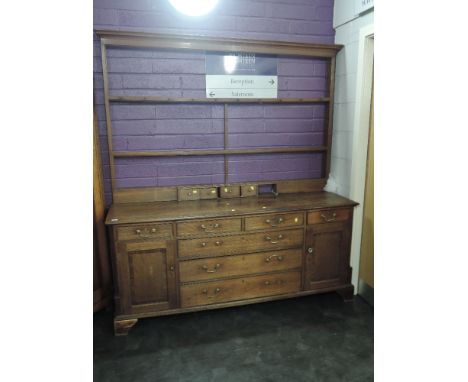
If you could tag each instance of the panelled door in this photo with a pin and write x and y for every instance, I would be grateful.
(147, 279)
(326, 263)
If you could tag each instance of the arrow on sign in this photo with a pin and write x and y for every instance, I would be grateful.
(271, 81)
(212, 94)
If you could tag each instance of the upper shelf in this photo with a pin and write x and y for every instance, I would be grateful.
(206, 43)
(154, 99)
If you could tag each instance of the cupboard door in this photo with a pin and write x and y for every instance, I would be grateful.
(327, 255)
(147, 279)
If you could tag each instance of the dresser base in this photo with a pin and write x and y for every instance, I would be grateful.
(123, 323)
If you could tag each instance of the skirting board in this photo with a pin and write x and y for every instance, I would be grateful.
(366, 292)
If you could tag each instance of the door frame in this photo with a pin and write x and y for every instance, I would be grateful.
(364, 83)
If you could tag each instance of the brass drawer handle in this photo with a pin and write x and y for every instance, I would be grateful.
(332, 219)
(215, 268)
(216, 291)
(279, 237)
(272, 224)
(146, 233)
(278, 257)
(212, 226)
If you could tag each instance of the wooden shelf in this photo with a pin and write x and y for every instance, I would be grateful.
(174, 153)
(155, 99)
(206, 43)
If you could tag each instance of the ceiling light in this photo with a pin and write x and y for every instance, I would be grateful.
(194, 7)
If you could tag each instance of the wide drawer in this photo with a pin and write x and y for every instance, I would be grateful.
(278, 220)
(328, 216)
(148, 231)
(236, 244)
(240, 289)
(201, 227)
(237, 265)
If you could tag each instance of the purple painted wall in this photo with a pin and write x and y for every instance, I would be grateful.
(181, 74)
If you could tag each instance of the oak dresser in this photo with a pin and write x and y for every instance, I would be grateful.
(183, 256)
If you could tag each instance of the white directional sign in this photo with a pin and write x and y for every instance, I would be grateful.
(241, 75)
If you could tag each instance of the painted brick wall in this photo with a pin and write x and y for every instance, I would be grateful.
(181, 74)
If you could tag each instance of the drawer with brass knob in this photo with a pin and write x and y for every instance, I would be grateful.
(238, 244)
(144, 231)
(201, 227)
(328, 216)
(208, 193)
(230, 191)
(238, 265)
(188, 193)
(248, 190)
(273, 221)
(240, 288)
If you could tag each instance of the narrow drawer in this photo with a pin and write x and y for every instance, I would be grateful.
(248, 190)
(230, 191)
(148, 231)
(208, 193)
(278, 220)
(240, 289)
(228, 245)
(201, 227)
(238, 265)
(188, 193)
(328, 216)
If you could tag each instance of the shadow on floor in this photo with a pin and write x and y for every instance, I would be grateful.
(314, 338)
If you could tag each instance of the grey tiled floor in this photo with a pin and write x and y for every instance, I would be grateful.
(314, 338)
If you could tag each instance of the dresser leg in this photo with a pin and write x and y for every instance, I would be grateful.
(122, 327)
(346, 293)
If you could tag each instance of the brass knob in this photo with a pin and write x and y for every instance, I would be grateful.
(267, 282)
(218, 243)
(171, 268)
(252, 188)
(310, 250)
(267, 260)
(216, 225)
(138, 231)
(205, 291)
(213, 191)
(280, 220)
(280, 236)
(217, 290)
(195, 192)
(203, 244)
(153, 230)
(189, 194)
(280, 258)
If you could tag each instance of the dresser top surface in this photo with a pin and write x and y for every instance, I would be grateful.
(214, 208)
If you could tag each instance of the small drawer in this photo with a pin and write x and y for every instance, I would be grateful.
(237, 244)
(208, 193)
(249, 190)
(328, 216)
(230, 191)
(240, 289)
(187, 193)
(149, 231)
(272, 221)
(201, 227)
(238, 265)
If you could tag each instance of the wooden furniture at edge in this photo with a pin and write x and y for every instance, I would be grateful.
(183, 249)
